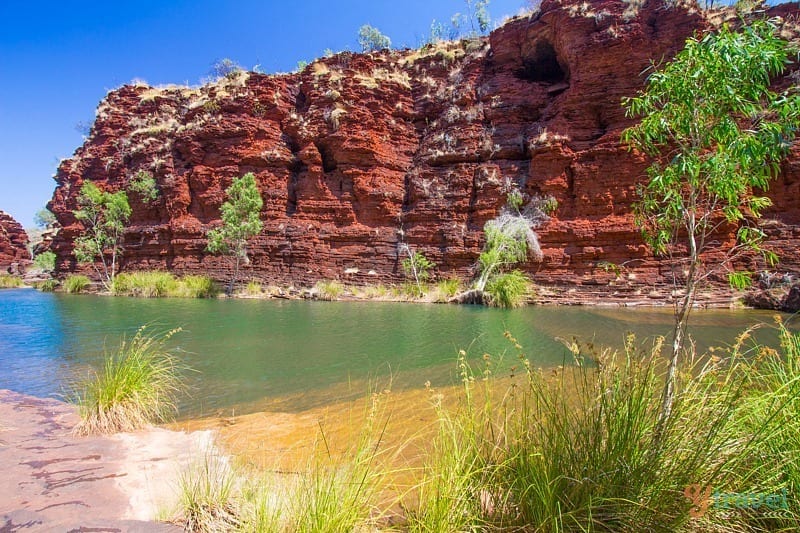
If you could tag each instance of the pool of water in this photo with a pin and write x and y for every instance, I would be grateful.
(295, 355)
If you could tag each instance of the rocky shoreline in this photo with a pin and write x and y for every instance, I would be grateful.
(54, 481)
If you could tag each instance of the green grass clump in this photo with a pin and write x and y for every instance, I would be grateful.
(136, 386)
(76, 284)
(253, 288)
(446, 289)
(508, 290)
(374, 291)
(194, 286)
(8, 281)
(206, 490)
(144, 284)
(160, 284)
(48, 285)
(328, 290)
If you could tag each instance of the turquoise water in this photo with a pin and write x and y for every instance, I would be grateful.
(299, 354)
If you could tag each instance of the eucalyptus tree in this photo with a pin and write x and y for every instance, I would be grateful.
(240, 222)
(104, 216)
(716, 133)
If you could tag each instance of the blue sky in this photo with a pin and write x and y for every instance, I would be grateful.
(58, 60)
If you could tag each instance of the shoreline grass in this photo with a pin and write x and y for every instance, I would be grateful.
(76, 284)
(136, 386)
(9, 281)
(573, 448)
(160, 284)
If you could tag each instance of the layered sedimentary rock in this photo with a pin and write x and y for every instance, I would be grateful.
(359, 154)
(14, 253)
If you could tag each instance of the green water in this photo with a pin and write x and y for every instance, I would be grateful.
(299, 354)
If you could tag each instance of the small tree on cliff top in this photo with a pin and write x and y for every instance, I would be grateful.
(104, 215)
(240, 222)
(371, 39)
(716, 134)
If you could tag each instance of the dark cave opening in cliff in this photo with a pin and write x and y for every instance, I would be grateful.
(542, 66)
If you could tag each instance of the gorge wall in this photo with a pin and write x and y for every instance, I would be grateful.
(359, 153)
(13, 245)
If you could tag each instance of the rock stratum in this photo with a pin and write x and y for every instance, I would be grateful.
(13, 245)
(360, 153)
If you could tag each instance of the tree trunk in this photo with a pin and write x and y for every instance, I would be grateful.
(682, 310)
(235, 276)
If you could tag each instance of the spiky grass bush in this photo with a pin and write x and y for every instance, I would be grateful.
(194, 286)
(76, 284)
(508, 290)
(449, 495)
(207, 492)
(160, 284)
(144, 284)
(48, 285)
(768, 416)
(136, 386)
(253, 288)
(374, 292)
(7, 281)
(328, 290)
(447, 288)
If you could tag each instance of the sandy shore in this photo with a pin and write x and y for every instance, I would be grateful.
(53, 481)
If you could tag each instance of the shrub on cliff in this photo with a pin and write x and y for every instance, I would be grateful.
(371, 39)
(510, 239)
(45, 261)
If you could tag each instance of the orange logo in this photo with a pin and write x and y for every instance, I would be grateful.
(700, 497)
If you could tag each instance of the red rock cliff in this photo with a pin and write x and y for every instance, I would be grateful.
(359, 153)
(13, 244)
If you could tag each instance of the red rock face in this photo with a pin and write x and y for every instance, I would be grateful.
(358, 154)
(13, 245)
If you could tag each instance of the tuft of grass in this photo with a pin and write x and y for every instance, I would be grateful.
(136, 386)
(328, 290)
(333, 491)
(8, 281)
(253, 288)
(144, 284)
(446, 289)
(196, 287)
(448, 495)
(207, 489)
(340, 492)
(508, 290)
(48, 285)
(374, 292)
(76, 284)
(407, 291)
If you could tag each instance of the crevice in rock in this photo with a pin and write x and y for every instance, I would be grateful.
(301, 103)
(328, 159)
(296, 169)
